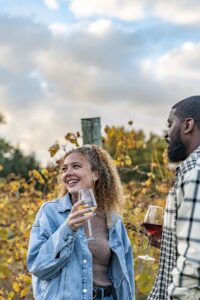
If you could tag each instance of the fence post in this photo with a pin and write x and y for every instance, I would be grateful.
(91, 131)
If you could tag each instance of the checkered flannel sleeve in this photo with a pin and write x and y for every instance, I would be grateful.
(186, 274)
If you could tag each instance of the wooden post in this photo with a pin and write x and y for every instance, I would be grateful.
(91, 131)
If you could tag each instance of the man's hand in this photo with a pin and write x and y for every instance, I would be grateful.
(155, 239)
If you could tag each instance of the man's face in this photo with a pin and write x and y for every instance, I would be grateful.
(176, 148)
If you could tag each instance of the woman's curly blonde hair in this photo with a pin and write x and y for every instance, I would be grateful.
(108, 188)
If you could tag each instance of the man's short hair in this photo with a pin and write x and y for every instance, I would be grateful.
(188, 108)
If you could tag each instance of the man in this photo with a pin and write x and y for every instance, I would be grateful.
(179, 269)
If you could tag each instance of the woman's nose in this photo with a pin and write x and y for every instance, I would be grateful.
(67, 172)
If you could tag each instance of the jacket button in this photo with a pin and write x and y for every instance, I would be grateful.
(84, 291)
(68, 238)
(85, 261)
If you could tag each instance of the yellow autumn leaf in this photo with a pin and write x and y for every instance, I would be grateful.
(112, 132)
(137, 211)
(24, 292)
(38, 176)
(10, 260)
(3, 234)
(14, 186)
(144, 191)
(72, 138)
(16, 287)
(148, 182)
(10, 296)
(2, 205)
(54, 149)
(116, 162)
(45, 172)
(162, 188)
(160, 202)
(26, 278)
(119, 144)
(128, 160)
(154, 164)
(106, 129)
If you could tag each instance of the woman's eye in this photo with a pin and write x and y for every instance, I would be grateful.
(64, 169)
(76, 166)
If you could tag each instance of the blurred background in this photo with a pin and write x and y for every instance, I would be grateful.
(62, 60)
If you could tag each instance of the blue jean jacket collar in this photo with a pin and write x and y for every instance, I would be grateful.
(64, 203)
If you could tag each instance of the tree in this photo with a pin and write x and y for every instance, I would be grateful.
(13, 161)
(135, 155)
(2, 118)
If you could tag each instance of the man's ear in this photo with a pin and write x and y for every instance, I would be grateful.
(188, 125)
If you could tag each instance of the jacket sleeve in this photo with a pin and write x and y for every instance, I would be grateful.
(128, 258)
(45, 258)
(185, 275)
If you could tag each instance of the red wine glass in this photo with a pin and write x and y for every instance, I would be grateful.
(152, 224)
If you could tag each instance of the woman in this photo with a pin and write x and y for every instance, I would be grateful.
(64, 265)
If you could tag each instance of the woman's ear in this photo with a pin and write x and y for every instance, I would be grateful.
(96, 176)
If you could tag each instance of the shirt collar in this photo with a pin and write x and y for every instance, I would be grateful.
(188, 163)
(64, 203)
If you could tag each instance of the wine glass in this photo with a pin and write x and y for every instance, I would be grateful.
(88, 199)
(153, 225)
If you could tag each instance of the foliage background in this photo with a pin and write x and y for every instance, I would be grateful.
(143, 167)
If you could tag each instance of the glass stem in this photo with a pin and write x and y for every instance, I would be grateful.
(89, 229)
(148, 247)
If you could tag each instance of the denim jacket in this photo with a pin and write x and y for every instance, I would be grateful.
(61, 263)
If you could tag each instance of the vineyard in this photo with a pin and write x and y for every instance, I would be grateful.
(143, 168)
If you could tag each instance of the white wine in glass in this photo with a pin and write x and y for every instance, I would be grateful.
(88, 199)
(153, 221)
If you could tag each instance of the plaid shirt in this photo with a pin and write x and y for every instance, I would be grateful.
(179, 268)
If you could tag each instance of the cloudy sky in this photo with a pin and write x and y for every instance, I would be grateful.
(63, 60)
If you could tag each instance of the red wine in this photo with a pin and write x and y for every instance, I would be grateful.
(152, 228)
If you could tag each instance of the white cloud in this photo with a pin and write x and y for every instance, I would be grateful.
(100, 26)
(86, 64)
(123, 9)
(58, 28)
(182, 63)
(20, 39)
(88, 69)
(179, 11)
(52, 4)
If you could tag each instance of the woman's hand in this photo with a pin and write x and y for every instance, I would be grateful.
(78, 217)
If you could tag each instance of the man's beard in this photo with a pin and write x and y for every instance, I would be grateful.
(177, 151)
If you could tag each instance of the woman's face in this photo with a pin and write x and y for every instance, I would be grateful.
(77, 173)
